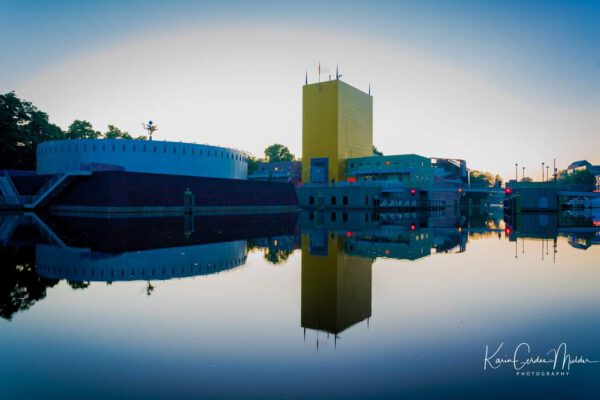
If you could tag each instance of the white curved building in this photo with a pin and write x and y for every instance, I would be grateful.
(154, 157)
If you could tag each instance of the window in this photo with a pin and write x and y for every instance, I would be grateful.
(366, 200)
(311, 200)
(333, 200)
(345, 200)
(333, 216)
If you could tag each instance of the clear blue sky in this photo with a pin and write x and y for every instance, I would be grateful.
(485, 81)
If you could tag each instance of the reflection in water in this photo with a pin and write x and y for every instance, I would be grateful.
(336, 285)
(423, 320)
(338, 250)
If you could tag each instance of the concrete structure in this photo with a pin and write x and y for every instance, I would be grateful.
(151, 157)
(343, 197)
(337, 124)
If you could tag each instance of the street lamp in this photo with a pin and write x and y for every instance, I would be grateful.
(516, 172)
(547, 172)
(542, 171)
(523, 173)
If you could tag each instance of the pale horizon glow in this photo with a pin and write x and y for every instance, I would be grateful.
(239, 84)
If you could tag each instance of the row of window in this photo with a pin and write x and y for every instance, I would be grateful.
(333, 200)
(143, 148)
(333, 216)
(387, 163)
(198, 268)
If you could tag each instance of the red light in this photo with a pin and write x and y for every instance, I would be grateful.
(508, 190)
(413, 191)
(348, 234)
(413, 227)
(351, 179)
(507, 231)
(459, 190)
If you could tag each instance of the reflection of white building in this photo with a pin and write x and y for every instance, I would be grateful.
(83, 265)
(171, 158)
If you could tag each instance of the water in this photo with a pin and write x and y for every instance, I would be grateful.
(348, 305)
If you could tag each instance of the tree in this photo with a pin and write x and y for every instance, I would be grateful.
(22, 128)
(376, 152)
(481, 179)
(278, 152)
(81, 129)
(253, 163)
(115, 133)
(577, 177)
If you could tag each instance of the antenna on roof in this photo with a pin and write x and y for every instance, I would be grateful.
(306, 78)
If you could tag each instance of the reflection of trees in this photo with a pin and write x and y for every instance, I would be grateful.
(78, 285)
(277, 256)
(20, 285)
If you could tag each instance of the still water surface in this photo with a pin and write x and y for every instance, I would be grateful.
(297, 306)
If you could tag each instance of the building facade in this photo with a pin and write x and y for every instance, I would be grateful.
(154, 157)
(411, 170)
(337, 124)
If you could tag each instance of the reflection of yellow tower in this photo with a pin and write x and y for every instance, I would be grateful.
(336, 287)
(337, 123)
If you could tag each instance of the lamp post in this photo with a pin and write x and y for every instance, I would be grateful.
(516, 172)
(547, 172)
(542, 171)
(523, 173)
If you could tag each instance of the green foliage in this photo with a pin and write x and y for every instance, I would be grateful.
(22, 127)
(376, 152)
(253, 163)
(81, 129)
(484, 179)
(115, 133)
(578, 177)
(278, 152)
(277, 256)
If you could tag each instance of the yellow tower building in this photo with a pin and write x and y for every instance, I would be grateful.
(337, 124)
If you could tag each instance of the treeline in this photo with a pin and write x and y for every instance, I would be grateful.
(484, 179)
(23, 127)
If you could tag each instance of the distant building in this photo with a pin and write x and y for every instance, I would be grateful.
(584, 165)
(410, 169)
(278, 171)
(578, 166)
(337, 124)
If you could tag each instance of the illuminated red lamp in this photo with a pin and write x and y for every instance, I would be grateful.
(348, 234)
(413, 191)
(507, 230)
(508, 191)
(413, 227)
(351, 179)
(459, 190)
